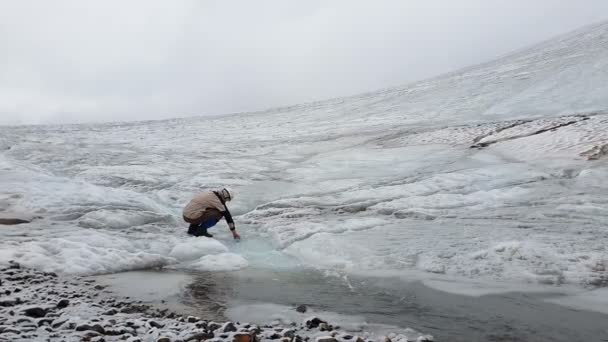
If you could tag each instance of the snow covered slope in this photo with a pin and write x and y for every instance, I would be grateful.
(497, 172)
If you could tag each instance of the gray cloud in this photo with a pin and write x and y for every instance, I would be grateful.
(79, 61)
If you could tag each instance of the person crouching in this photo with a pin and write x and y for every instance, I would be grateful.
(206, 209)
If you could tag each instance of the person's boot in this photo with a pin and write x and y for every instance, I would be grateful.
(192, 229)
(203, 232)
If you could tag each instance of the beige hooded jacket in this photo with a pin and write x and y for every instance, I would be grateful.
(200, 203)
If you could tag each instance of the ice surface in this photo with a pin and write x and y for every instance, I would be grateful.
(494, 173)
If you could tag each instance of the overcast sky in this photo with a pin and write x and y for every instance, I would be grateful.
(81, 61)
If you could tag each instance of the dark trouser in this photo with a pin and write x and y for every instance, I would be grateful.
(208, 219)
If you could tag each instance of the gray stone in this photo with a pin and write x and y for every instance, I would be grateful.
(302, 308)
(163, 339)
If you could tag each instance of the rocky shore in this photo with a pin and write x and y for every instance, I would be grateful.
(41, 306)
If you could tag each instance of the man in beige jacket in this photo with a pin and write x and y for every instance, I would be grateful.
(206, 209)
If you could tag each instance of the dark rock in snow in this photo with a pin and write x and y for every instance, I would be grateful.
(163, 339)
(110, 312)
(154, 324)
(12, 221)
(229, 327)
(116, 331)
(326, 339)
(314, 322)
(58, 322)
(63, 303)
(8, 302)
(36, 312)
(83, 327)
(196, 336)
(44, 321)
(213, 326)
(301, 308)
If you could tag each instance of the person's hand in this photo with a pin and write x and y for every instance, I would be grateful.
(236, 235)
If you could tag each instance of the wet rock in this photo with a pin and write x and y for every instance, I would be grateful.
(163, 339)
(63, 303)
(301, 308)
(229, 327)
(192, 319)
(274, 336)
(36, 312)
(347, 337)
(314, 322)
(99, 287)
